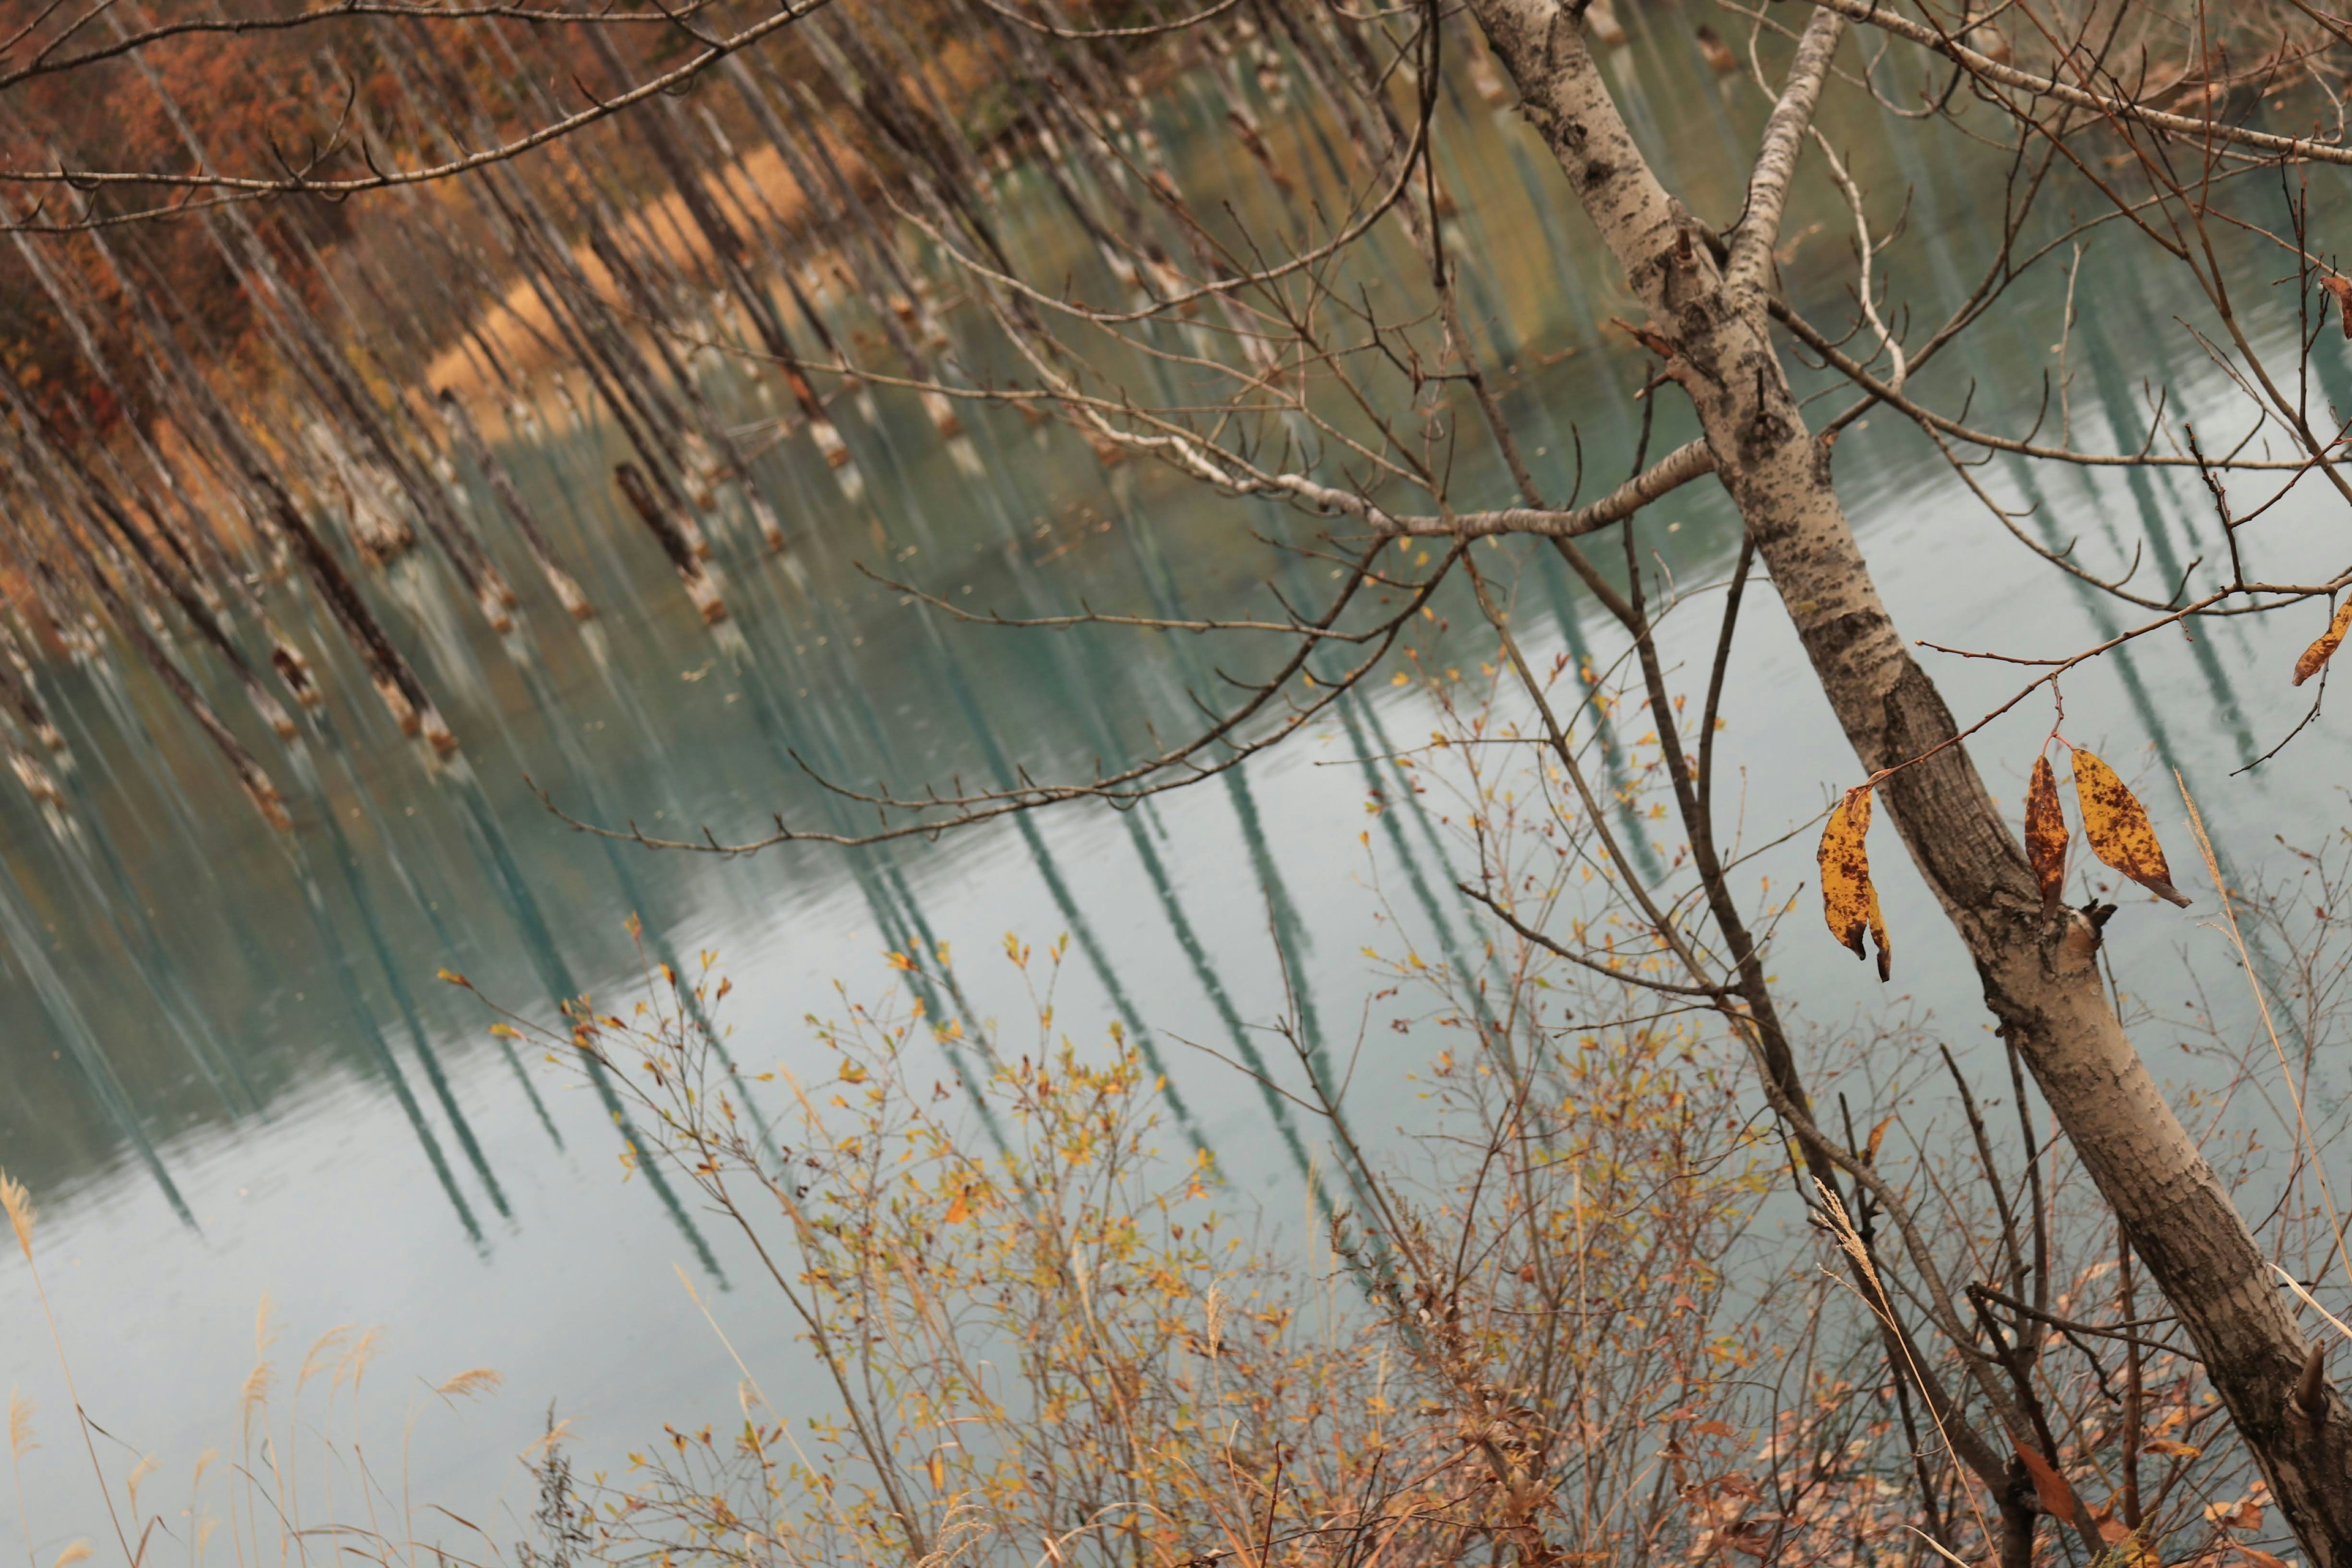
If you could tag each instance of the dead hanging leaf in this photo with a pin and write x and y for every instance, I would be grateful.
(2057, 1497)
(2341, 286)
(2319, 653)
(1878, 939)
(1877, 1136)
(2242, 1514)
(1845, 869)
(1849, 901)
(2118, 829)
(2045, 833)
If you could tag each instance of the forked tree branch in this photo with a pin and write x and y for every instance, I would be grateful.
(1750, 266)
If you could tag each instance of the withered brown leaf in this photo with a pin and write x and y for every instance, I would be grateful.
(2045, 833)
(2317, 656)
(2056, 1497)
(2335, 283)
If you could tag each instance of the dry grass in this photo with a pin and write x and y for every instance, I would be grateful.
(299, 1478)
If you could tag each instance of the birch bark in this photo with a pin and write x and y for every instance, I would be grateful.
(2050, 1002)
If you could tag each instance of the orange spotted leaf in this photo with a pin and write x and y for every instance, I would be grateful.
(1849, 901)
(2045, 833)
(2118, 829)
(2318, 655)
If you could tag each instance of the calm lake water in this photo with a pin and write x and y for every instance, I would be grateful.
(229, 1069)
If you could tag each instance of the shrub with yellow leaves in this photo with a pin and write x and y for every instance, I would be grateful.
(1050, 1341)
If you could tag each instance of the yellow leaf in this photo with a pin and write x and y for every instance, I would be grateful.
(2046, 833)
(2118, 829)
(2171, 1448)
(939, 1470)
(1849, 901)
(2320, 652)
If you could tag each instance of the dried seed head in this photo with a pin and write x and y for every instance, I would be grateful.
(466, 1384)
(19, 1204)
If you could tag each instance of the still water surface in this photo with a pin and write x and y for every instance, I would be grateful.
(228, 1069)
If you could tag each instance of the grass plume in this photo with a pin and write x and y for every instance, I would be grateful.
(19, 1204)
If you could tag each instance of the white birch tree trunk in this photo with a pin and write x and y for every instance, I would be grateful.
(1710, 301)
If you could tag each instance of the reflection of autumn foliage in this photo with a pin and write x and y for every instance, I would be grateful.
(331, 99)
(261, 103)
(250, 101)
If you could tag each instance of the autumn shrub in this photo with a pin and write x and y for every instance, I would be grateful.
(1049, 1334)
(1551, 1324)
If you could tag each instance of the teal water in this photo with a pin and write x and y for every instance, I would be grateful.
(231, 1071)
